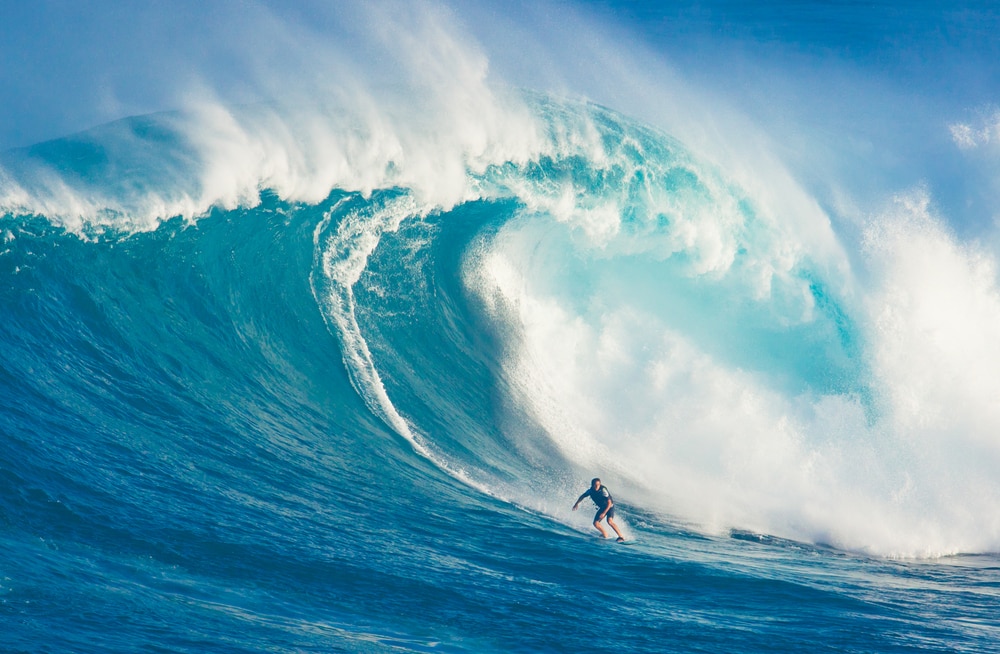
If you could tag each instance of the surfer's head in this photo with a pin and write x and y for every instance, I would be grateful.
(595, 483)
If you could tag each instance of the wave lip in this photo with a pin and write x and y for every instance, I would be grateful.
(130, 175)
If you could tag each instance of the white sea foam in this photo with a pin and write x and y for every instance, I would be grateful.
(621, 389)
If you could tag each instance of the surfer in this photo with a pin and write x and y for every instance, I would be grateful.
(605, 507)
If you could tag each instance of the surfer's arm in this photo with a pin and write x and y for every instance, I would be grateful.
(580, 499)
(607, 508)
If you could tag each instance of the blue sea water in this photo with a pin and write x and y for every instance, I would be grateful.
(329, 375)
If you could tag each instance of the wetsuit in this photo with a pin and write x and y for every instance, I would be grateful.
(601, 497)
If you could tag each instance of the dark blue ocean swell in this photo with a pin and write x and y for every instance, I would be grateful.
(154, 410)
(188, 462)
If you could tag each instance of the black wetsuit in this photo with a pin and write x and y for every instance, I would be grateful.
(601, 497)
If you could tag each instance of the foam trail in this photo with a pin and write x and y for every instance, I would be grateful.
(341, 257)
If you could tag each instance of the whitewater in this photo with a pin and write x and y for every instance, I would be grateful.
(326, 370)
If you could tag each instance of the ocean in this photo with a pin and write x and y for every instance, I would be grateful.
(326, 372)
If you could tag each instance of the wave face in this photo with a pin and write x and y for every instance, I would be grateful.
(330, 378)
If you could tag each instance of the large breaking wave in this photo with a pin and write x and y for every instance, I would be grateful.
(734, 364)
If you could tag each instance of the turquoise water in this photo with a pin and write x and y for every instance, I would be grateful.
(329, 378)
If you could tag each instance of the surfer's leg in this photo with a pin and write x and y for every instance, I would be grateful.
(597, 523)
(615, 527)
